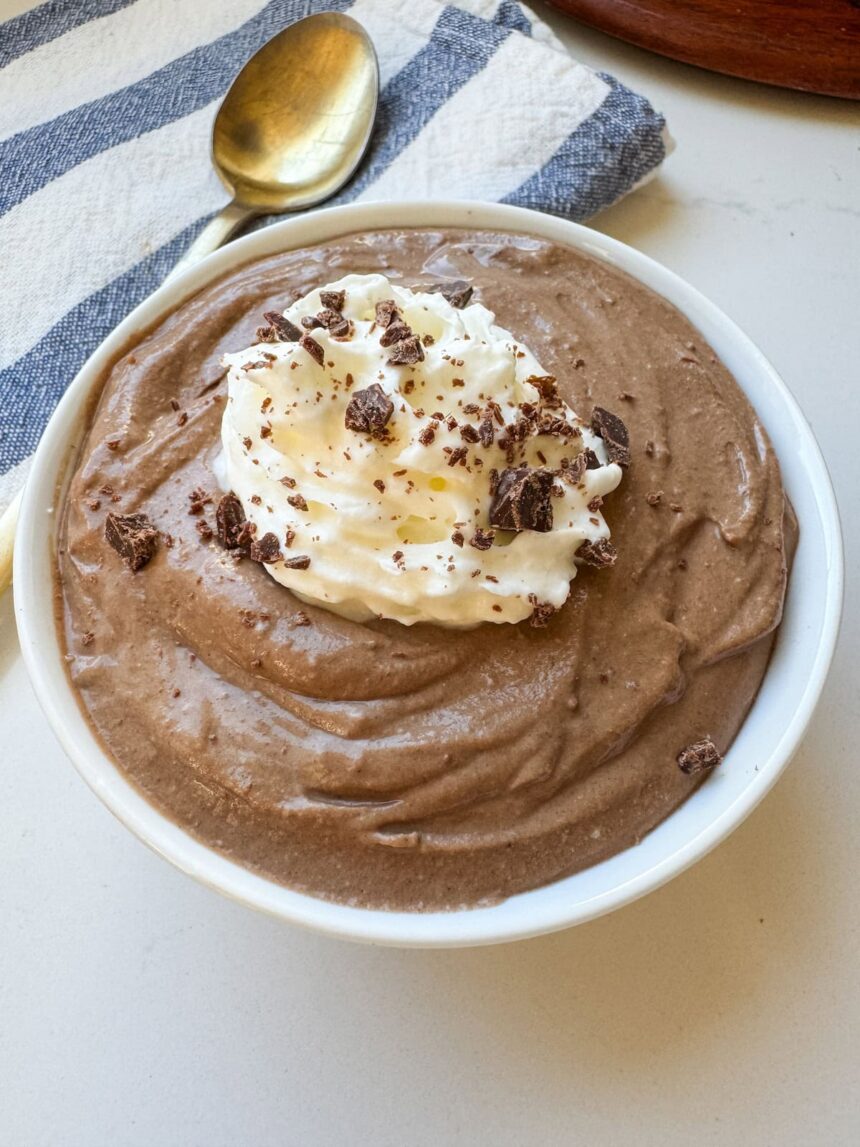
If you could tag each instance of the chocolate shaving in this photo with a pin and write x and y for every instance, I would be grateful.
(368, 411)
(700, 757)
(134, 538)
(482, 539)
(396, 332)
(282, 328)
(387, 312)
(333, 300)
(614, 434)
(547, 388)
(313, 348)
(572, 472)
(486, 432)
(198, 499)
(542, 611)
(458, 293)
(267, 549)
(229, 522)
(599, 554)
(299, 562)
(522, 500)
(406, 352)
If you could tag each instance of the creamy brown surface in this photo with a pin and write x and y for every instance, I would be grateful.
(422, 767)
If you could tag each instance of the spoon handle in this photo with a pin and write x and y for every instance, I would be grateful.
(217, 231)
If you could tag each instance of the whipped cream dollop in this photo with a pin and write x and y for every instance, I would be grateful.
(400, 456)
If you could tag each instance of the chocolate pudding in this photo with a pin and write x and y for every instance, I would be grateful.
(421, 766)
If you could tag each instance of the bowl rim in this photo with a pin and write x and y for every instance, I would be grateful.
(516, 917)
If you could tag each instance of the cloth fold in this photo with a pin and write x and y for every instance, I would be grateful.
(106, 109)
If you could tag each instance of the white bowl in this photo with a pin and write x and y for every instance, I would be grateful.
(762, 749)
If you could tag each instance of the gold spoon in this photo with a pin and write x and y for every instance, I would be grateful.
(289, 134)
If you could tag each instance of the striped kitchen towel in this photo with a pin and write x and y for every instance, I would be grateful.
(106, 108)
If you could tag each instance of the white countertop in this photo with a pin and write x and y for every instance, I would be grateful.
(137, 1008)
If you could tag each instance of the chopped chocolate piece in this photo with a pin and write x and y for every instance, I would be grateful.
(457, 538)
(299, 562)
(289, 538)
(134, 538)
(700, 757)
(542, 611)
(599, 554)
(285, 330)
(458, 293)
(94, 503)
(245, 536)
(229, 520)
(394, 333)
(469, 433)
(267, 549)
(265, 432)
(427, 435)
(174, 405)
(406, 352)
(522, 500)
(547, 387)
(247, 443)
(592, 462)
(112, 444)
(205, 531)
(482, 539)
(457, 455)
(494, 480)
(451, 422)
(333, 300)
(298, 620)
(397, 557)
(368, 411)
(595, 504)
(310, 322)
(654, 499)
(88, 638)
(386, 312)
(571, 472)
(288, 481)
(258, 364)
(341, 330)
(313, 348)
(183, 417)
(266, 335)
(427, 340)
(379, 484)
(297, 502)
(676, 508)
(614, 434)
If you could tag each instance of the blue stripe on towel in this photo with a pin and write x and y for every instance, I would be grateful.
(40, 25)
(31, 387)
(33, 158)
(608, 153)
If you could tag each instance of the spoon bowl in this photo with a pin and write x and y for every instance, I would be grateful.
(297, 119)
(293, 125)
